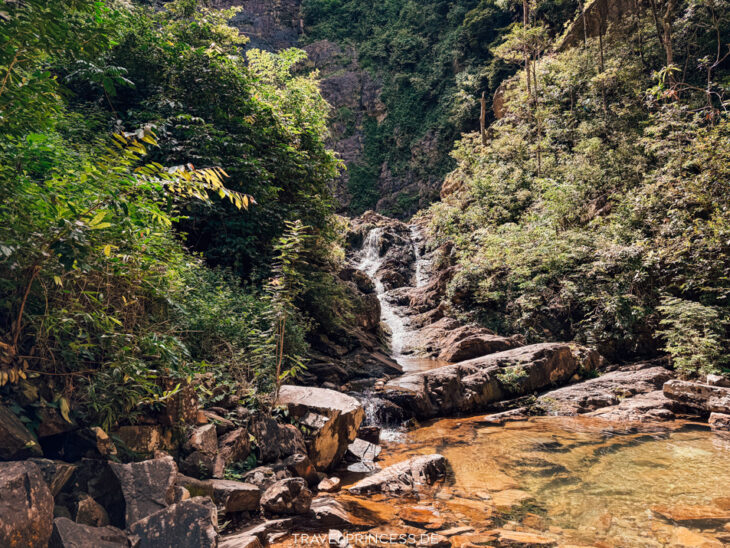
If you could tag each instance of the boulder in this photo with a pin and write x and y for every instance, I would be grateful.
(146, 487)
(605, 391)
(26, 506)
(52, 422)
(369, 433)
(333, 416)
(288, 496)
(329, 513)
(233, 446)
(143, 438)
(476, 345)
(264, 476)
(706, 398)
(472, 385)
(87, 511)
(718, 380)
(16, 441)
(67, 534)
(276, 441)
(653, 406)
(188, 523)
(203, 438)
(719, 422)
(235, 496)
(300, 465)
(56, 473)
(363, 450)
(403, 477)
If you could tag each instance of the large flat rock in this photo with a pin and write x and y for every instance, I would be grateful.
(702, 397)
(470, 386)
(608, 390)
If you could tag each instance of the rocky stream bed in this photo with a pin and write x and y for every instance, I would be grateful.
(455, 437)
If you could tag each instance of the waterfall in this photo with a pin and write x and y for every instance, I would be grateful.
(421, 275)
(370, 262)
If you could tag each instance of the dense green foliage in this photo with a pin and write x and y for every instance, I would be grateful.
(102, 303)
(598, 208)
(434, 58)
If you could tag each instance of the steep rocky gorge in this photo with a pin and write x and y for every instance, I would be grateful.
(226, 476)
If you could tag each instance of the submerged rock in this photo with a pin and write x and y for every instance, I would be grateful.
(334, 417)
(26, 506)
(403, 477)
(472, 385)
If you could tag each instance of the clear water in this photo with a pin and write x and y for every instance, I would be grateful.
(594, 480)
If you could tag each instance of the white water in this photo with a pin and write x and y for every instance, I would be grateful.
(370, 263)
(421, 274)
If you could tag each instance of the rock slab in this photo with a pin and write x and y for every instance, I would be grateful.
(26, 506)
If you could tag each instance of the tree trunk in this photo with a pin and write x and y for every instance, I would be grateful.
(483, 118)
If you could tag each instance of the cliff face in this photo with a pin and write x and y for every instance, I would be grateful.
(269, 24)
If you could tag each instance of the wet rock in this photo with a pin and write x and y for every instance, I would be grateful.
(300, 465)
(26, 506)
(144, 439)
(702, 397)
(403, 477)
(277, 441)
(89, 512)
(288, 496)
(472, 385)
(235, 496)
(383, 412)
(363, 450)
(342, 417)
(692, 515)
(329, 485)
(16, 441)
(189, 523)
(56, 473)
(67, 534)
(512, 415)
(146, 488)
(605, 391)
(719, 422)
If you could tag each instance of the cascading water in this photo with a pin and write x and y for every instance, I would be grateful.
(421, 275)
(370, 263)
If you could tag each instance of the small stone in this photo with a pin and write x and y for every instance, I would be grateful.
(329, 485)
(300, 465)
